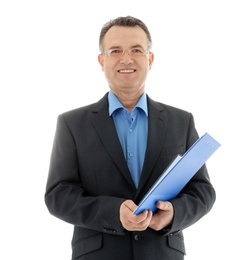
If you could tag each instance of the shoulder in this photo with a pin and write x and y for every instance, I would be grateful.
(167, 109)
(87, 110)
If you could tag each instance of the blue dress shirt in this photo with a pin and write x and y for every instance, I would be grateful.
(132, 129)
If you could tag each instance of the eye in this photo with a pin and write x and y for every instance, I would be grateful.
(115, 51)
(137, 51)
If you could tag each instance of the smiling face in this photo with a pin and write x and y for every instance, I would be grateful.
(126, 75)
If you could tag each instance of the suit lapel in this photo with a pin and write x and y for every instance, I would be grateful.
(106, 130)
(156, 135)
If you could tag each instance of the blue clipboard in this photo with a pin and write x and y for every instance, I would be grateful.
(178, 173)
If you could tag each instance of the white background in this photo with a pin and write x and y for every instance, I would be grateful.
(48, 65)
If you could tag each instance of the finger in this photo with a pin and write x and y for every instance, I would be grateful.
(137, 219)
(130, 205)
(163, 205)
(142, 221)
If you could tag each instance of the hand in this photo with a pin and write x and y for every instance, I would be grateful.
(163, 217)
(132, 222)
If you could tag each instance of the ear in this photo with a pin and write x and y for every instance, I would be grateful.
(151, 59)
(101, 60)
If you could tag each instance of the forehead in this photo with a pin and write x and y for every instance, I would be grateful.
(120, 36)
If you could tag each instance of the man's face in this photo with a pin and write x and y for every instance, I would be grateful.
(126, 73)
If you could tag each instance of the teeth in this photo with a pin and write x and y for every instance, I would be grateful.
(126, 71)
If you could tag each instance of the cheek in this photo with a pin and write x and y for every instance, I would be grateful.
(109, 68)
(147, 68)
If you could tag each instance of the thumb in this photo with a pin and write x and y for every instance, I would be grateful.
(163, 205)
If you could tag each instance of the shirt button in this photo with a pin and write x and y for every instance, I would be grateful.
(136, 237)
(130, 130)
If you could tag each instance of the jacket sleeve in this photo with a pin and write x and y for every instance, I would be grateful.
(65, 197)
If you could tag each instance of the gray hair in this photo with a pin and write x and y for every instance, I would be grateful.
(127, 21)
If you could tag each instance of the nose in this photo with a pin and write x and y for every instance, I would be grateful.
(126, 58)
(125, 51)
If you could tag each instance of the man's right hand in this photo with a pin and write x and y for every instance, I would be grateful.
(132, 222)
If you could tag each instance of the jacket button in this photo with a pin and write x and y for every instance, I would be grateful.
(136, 237)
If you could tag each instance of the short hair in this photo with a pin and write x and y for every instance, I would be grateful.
(125, 21)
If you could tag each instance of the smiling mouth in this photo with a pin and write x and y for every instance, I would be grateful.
(126, 71)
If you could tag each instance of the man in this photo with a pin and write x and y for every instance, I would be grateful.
(107, 155)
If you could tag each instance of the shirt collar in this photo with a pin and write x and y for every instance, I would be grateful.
(115, 104)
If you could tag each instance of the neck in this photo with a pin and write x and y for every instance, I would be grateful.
(128, 100)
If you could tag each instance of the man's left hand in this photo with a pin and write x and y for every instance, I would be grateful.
(163, 217)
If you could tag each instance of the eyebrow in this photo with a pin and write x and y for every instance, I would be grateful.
(133, 46)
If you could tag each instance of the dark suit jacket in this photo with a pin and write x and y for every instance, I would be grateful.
(89, 179)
